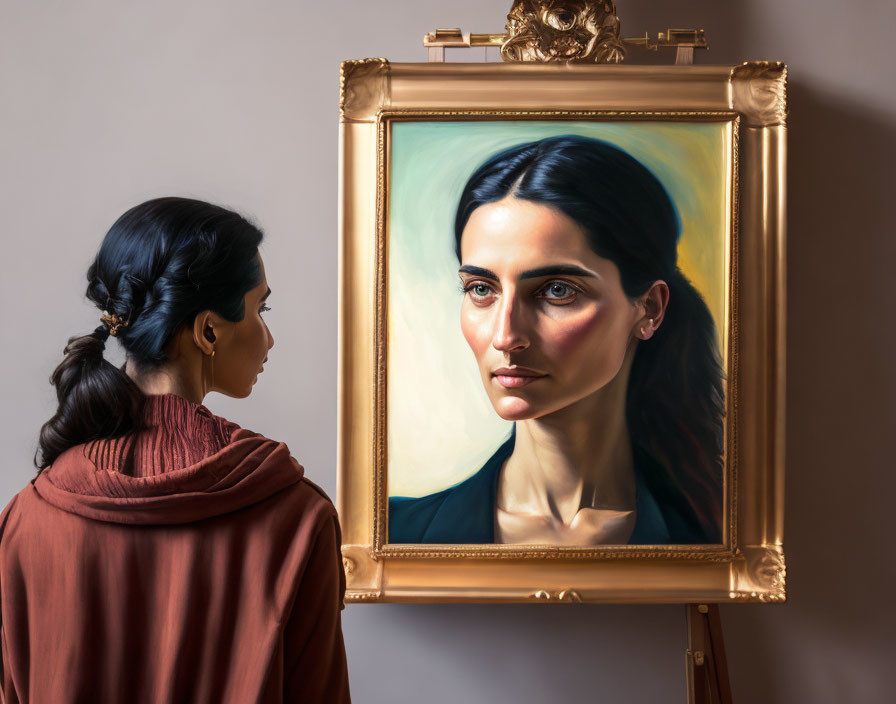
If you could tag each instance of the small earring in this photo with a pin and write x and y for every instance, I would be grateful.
(213, 353)
(649, 328)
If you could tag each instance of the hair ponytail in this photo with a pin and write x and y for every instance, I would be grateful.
(161, 263)
(676, 405)
(96, 398)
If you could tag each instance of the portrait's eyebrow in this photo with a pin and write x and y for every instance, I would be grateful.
(558, 270)
(478, 271)
(267, 294)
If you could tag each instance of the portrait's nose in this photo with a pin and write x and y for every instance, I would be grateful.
(509, 333)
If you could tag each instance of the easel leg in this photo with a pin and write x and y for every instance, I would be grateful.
(707, 666)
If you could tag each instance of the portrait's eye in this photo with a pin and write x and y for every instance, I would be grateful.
(264, 309)
(479, 291)
(558, 293)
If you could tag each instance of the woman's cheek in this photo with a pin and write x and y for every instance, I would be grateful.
(475, 328)
(572, 332)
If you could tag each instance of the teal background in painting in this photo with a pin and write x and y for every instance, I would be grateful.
(441, 426)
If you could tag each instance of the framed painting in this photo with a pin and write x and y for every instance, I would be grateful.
(561, 350)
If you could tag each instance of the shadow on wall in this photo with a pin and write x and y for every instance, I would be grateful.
(833, 638)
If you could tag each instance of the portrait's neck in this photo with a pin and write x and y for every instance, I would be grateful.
(580, 456)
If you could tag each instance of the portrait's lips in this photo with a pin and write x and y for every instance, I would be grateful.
(514, 377)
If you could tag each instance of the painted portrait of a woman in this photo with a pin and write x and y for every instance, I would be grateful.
(593, 344)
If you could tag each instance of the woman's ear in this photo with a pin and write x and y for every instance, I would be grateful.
(653, 303)
(204, 336)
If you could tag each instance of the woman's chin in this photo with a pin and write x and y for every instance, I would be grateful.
(514, 408)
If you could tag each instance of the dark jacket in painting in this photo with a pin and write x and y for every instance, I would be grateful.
(465, 512)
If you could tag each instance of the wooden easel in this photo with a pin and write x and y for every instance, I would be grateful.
(707, 667)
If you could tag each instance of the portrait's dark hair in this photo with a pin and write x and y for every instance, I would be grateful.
(675, 400)
(161, 263)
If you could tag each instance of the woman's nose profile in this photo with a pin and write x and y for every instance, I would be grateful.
(510, 332)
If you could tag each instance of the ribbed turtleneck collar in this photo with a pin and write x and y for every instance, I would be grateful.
(167, 409)
(183, 464)
(175, 433)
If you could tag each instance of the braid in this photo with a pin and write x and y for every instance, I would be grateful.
(160, 264)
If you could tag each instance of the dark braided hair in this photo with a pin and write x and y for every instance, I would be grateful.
(161, 263)
(675, 400)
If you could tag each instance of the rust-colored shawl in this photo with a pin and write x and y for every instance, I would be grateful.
(189, 561)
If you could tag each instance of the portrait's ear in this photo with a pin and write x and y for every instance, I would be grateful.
(653, 304)
(204, 335)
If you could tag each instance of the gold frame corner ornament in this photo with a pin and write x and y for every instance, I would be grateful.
(759, 92)
(363, 574)
(363, 85)
(749, 566)
(759, 574)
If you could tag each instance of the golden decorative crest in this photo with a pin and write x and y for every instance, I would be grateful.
(563, 30)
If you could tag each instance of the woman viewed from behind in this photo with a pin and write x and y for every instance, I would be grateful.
(165, 554)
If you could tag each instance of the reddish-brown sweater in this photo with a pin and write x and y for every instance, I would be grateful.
(187, 562)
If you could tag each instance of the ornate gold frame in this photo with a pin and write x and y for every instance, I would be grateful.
(749, 565)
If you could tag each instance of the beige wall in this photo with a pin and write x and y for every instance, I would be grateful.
(105, 103)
